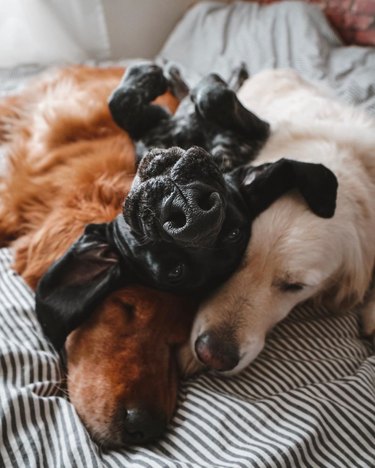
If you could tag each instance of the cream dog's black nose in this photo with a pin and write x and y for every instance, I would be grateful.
(217, 353)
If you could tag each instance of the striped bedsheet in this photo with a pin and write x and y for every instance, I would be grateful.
(307, 401)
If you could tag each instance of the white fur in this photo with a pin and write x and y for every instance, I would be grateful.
(334, 257)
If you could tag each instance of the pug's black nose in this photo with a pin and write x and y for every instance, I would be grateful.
(217, 353)
(193, 214)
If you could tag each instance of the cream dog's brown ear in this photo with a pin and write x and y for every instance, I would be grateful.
(264, 184)
(71, 288)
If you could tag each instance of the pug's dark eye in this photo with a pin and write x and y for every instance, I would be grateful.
(233, 235)
(176, 273)
(291, 287)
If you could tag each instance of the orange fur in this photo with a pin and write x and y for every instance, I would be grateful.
(70, 165)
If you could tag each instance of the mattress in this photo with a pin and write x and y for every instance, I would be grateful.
(307, 400)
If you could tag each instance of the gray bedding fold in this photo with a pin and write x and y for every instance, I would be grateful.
(214, 37)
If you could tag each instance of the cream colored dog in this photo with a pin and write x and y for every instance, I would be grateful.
(294, 255)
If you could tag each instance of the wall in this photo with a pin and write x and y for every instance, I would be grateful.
(47, 31)
(138, 28)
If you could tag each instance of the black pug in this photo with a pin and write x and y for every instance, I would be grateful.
(185, 224)
(209, 116)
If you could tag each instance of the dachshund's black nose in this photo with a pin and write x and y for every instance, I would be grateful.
(142, 426)
(193, 214)
(217, 354)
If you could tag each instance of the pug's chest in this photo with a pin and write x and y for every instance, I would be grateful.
(228, 149)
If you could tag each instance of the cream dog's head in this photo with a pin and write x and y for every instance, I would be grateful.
(292, 256)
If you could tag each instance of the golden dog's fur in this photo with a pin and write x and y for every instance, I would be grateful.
(70, 165)
(331, 259)
(60, 135)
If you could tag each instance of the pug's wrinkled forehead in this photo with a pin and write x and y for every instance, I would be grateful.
(164, 173)
(179, 165)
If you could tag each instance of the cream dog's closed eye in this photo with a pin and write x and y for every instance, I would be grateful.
(294, 255)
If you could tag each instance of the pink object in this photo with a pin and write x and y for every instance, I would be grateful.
(354, 20)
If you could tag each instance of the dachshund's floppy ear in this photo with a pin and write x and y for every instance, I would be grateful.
(262, 185)
(71, 288)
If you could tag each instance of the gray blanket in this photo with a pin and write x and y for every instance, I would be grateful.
(214, 37)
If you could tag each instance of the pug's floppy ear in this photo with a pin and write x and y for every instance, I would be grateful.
(262, 185)
(71, 288)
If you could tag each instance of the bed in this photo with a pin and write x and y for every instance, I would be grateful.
(309, 398)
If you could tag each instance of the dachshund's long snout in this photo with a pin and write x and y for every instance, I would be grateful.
(140, 426)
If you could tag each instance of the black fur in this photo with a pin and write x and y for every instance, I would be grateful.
(211, 116)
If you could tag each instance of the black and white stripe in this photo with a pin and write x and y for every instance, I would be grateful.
(307, 401)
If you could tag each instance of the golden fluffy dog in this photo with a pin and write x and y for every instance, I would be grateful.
(70, 165)
(293, 255)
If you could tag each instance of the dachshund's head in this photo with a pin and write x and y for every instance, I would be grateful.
(122, 372)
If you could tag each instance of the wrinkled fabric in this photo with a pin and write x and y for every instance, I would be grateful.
(215, 37)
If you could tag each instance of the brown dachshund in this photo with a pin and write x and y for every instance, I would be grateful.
(70, 165)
